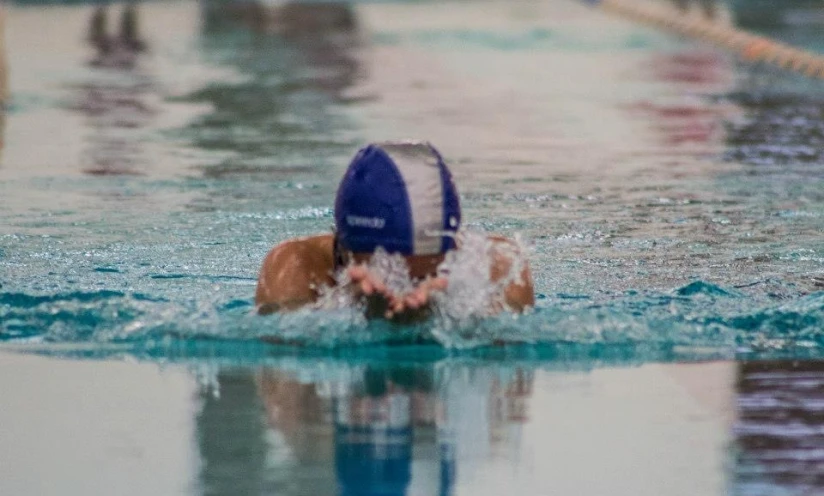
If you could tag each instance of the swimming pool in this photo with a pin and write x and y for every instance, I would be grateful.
(672, 200)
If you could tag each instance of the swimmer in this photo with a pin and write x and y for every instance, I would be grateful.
(398, 196)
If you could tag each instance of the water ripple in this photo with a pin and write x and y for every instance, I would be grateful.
(684, 317)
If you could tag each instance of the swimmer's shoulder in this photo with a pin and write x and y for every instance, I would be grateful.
(316, 243)
(313, 246)
(292, 272)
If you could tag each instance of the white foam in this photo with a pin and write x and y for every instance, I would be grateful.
(470, 295)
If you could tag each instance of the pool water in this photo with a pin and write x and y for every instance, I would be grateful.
(671, 199)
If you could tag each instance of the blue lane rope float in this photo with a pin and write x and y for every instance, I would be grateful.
(748, 46)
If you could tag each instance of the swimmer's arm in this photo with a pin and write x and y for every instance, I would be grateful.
(519, 294)
(292, 272)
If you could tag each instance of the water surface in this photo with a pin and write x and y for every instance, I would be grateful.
(671, 198)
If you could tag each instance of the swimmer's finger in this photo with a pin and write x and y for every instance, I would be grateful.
(417, 298)
(397, 305)
(420, 296)
(410, 301)
(435, 284)
(423, 296)
(356, 273)
(380, 287)
(438, 284)
(366, 287)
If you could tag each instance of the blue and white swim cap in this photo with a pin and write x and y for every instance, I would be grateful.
(400, 196)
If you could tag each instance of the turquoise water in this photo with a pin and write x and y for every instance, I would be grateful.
(671, 199)
(149, 218)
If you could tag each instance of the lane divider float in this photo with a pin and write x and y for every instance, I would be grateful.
(748, 46)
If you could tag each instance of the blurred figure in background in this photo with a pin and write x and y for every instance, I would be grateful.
(116, 50)
(4, 69)
(709, 8)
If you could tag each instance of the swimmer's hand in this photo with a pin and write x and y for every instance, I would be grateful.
(395, 306)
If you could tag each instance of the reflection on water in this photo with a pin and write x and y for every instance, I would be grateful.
(314, 39)
(230, 439)
(441, 428)
(375, 429)
(296, 59)
(780, 428)
(115, 97)
(686, 122)
(779, 130)
(274, 126)
(117, 110)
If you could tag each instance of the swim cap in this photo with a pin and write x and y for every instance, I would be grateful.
(400, 196)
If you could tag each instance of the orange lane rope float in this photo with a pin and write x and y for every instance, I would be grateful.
(749, 47)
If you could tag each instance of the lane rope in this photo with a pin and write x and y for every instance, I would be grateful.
(749, 47)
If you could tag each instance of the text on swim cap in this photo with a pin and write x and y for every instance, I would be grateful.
(370, 222)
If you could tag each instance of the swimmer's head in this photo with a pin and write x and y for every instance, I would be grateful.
(400, 196)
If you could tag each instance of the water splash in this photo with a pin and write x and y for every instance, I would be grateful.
(730, 324)
(471, 295)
